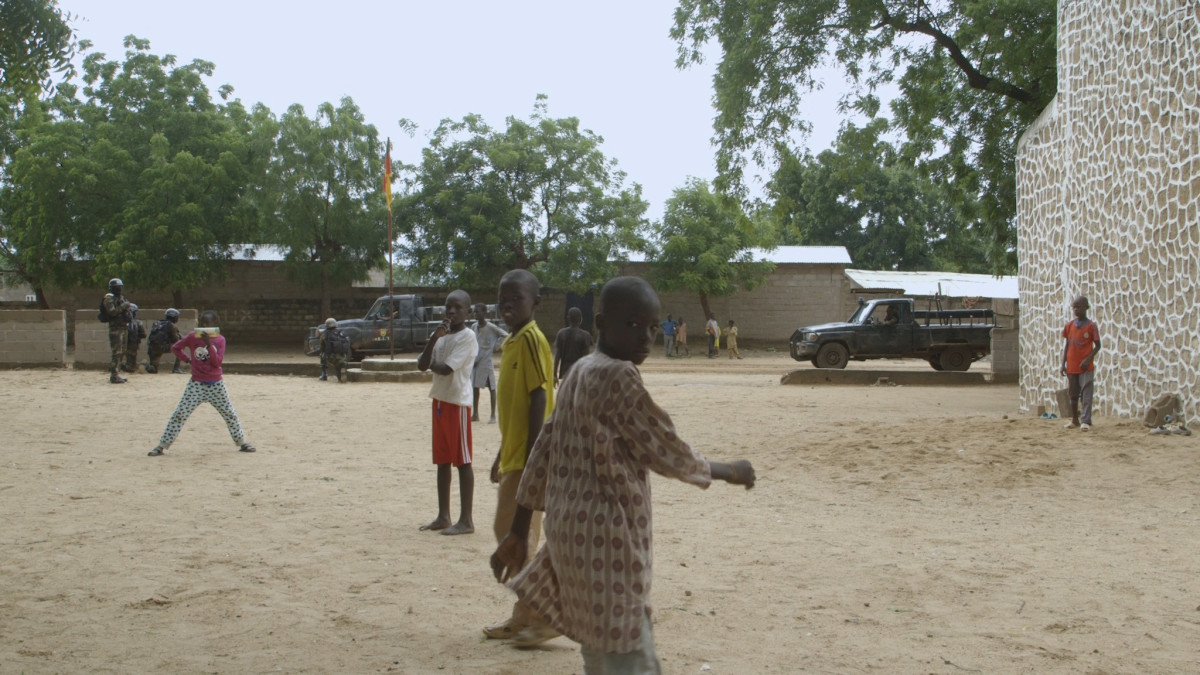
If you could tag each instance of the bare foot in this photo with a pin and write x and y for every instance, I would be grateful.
(474, 418)
(492, 421)
(439, 524)
(460, 528)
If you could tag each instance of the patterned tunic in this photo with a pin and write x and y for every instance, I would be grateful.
(589, 472)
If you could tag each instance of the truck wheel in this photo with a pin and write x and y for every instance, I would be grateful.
(832, 355)
(935, 361)
(956, 358)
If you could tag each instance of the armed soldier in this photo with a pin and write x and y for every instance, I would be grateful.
(137, 333)
(335, 346)
(163, 334)
(115, 310)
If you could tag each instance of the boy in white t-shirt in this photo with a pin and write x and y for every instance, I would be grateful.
(450, 354)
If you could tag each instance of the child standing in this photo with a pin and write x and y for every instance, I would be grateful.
(484, 372)
(525, 396)
(207, 385)
(713, 329)
(571, 344)
(450, 354)
(589, 472)
(731, 340)
(681, 345)
(1078, 362)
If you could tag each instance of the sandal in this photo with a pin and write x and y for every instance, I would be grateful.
(158, 450)
(246, 447)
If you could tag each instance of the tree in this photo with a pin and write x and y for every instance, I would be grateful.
(972, 75)
(328, 211)
(863, 195)
(539, 195)
(704, 246)
(35, 41)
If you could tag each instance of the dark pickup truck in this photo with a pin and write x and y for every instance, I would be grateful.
(950, 339)
(401, 318)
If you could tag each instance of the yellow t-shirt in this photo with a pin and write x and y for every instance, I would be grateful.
(526, 364)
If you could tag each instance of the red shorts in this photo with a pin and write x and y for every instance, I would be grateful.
(451, 433)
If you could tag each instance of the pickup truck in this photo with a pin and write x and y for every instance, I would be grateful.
(893, 329)
(404, 319)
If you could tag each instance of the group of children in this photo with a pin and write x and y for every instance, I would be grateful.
(580, 435)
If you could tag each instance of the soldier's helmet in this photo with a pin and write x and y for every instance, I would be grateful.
(172, 315)
(133, 308)
(114, 284)
(331, 322)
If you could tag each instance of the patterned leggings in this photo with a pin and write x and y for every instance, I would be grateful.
(195, 394)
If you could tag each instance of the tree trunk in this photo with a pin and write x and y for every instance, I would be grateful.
(326, 292)
(42, 303)
(177, 298)
(704, 306)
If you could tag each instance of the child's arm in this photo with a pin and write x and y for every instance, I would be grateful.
(1087, 360)
(739, 472)
(509, 557)
(537, 415)
(424, 361)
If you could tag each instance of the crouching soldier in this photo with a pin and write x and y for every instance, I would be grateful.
(137, 333)
(163, 334)
(335, 347)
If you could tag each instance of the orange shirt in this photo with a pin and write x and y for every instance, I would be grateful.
(1081, 341)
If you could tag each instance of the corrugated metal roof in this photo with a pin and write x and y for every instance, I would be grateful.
(790, 255)
(926, 283)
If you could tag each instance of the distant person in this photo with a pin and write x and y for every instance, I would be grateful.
(204, 349)
(571, 344)
(163, 334)
(335, 349)
(713, 330)
(133, 344)
(681, 345)
(1082, 337)
(450, 354)
(114, 310)
(731, 340)
(483, 374)
(589, 472)
(669, 329)
(525, 397)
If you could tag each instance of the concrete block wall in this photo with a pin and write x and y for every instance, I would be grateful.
(33, 338)
(1006, 361)
(91, 336)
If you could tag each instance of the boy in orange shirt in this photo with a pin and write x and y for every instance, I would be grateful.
(1082, 337)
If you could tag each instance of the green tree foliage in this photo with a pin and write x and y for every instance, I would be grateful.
(863, 195)
(972, 75)
(538, 195)
(141, 177)
(704, 246)
(35, 42)
(328, 211)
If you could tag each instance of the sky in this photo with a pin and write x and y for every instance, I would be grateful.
(610, 64)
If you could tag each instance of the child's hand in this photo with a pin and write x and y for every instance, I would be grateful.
(441, 330)
(509, 557)
(742, 473)
(495, 474)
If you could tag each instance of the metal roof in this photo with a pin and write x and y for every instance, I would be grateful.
(927, 283)
(790, 255)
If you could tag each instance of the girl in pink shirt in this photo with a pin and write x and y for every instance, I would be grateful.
(205, 353)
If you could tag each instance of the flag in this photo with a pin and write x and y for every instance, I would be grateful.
(387, 175)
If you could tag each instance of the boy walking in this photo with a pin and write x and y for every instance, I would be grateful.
(525, 396)
(668, 328)
(450, 354)
(731, 340)
(589, 472)
(483, 375)
(1078, 363)
(571, 344)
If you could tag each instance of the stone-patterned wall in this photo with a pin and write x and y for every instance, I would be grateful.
(1108, 184)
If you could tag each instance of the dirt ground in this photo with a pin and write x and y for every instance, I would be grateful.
(893, 530)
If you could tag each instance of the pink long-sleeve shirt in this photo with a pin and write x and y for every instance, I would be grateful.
(202, 370)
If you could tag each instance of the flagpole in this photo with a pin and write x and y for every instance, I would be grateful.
(387, 188)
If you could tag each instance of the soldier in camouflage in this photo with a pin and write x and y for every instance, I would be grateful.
(118, 309)
(163, 334)
(335, 347)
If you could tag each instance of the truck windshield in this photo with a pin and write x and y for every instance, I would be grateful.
(861, 314)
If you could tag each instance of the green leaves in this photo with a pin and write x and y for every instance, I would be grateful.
(538, 195)
(973, 74)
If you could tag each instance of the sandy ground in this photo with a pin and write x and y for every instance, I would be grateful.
(893, 530)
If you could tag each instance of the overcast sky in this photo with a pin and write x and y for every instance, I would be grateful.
(610, 64)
